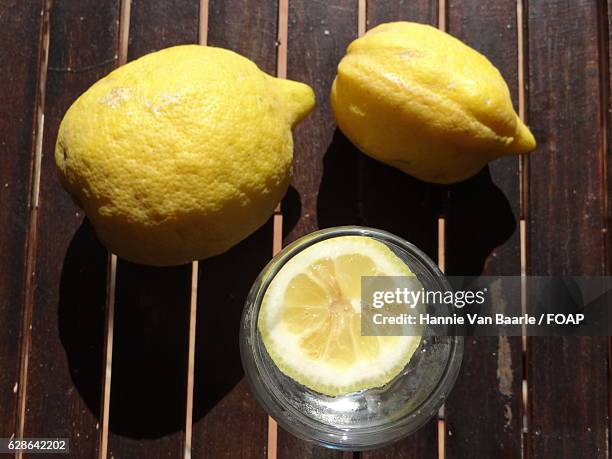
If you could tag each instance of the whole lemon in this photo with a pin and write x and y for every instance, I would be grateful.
(180, 154)
(422, 101)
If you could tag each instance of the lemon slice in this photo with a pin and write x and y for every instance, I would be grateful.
(310, 318)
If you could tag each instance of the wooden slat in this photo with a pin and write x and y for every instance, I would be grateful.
(20, 53)
(148, 395)
(277, 221)
(248, 27)
(318, 35)
(317, 39)
(64, 371)
(483, 238)
(228, 421)
(568, 394)
(413, 215)
(605, 42)
(147, 405)
(158, 24)
(381, 11)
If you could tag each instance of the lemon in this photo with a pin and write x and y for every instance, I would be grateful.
(422, 101)
(180, 154)
(310, 318)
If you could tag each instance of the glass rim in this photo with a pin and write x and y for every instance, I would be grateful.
(344, 438)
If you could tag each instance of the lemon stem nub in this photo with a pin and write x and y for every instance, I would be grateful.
(524, 141)
(299, 99)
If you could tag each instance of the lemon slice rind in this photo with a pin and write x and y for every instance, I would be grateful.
(283, 343)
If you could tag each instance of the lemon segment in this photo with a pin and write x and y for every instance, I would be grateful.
(310, 317)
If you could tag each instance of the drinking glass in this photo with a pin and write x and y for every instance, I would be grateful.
(368, 418)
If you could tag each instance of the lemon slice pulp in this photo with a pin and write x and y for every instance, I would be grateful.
(310, 317)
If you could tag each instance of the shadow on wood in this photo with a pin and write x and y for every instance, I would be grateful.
(479, 219)
(149, 350)
(151, 331)
(81, 313)
(224, 284)
(358, 190)
(150, 341)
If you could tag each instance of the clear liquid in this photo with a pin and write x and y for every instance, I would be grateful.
(375, 407)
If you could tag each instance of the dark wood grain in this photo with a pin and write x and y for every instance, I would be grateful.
(483, 238)
(68, 300)
(318, 36)
(568, 377)
(158, 24)
(381, 11)
(20, 34)
(228, 421)
(148, 390)
(248, 27)
(419, 203)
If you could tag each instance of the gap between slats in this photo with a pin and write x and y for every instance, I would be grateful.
(108, 353)
(523, 203)
(193, 302)
(606, 106)
(111, 273)
(277, 231)
(30, 248)
(442, 258)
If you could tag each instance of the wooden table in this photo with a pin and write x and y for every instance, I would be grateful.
(152, 379)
